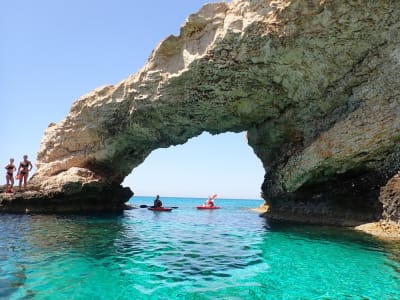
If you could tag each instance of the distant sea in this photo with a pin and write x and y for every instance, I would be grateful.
(229, 253)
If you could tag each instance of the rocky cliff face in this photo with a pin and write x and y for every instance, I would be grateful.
(314, 83)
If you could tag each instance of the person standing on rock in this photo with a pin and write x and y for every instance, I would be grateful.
(24, 167)
(10, 176)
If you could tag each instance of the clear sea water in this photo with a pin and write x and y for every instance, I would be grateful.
(229, 253)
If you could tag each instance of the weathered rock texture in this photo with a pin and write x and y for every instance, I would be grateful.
(314, 83)
(390, 198)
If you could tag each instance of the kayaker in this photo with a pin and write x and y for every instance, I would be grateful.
(210, 201)
(157, 202)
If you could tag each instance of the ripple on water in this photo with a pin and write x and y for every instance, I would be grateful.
(188, 254)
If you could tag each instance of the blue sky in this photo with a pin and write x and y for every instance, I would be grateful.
(52, 52)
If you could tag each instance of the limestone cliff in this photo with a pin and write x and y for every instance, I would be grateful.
(314, 83)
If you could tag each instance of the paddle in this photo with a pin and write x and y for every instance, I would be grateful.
(145, 206)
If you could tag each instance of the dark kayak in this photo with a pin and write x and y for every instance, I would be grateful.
(160, 208)
(207, 207)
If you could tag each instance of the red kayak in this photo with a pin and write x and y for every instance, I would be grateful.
(207, 207)
(160, 208)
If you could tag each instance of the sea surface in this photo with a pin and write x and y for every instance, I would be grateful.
(230, 253)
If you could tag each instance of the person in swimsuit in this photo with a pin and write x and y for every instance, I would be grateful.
(10, 176)
(24, 167)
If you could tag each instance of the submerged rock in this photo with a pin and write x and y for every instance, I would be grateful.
(315, 84)
(385, 230)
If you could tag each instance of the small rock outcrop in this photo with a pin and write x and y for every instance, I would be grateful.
(314, 83)
(390, 198)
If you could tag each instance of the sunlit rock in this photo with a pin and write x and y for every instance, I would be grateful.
(315, 84)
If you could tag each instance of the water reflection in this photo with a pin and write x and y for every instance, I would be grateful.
(332, 259)
(191, 253)
(12, 271)
(90, 235)
(333, 234)
(340, 235)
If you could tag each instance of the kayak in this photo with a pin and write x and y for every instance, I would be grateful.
(160, 208)
(207, 207)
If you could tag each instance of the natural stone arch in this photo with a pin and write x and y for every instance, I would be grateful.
(314, 84)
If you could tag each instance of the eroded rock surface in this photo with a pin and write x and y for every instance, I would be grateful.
(314, 83)
(390, 198)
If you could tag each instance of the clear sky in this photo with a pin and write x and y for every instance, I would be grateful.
(52, 52)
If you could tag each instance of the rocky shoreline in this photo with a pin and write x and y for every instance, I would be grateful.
(383, 229)
(36, 202)
(49, 202)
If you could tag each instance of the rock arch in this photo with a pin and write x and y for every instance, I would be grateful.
(315, 85)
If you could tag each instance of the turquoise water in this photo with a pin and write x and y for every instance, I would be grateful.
(229, 253)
